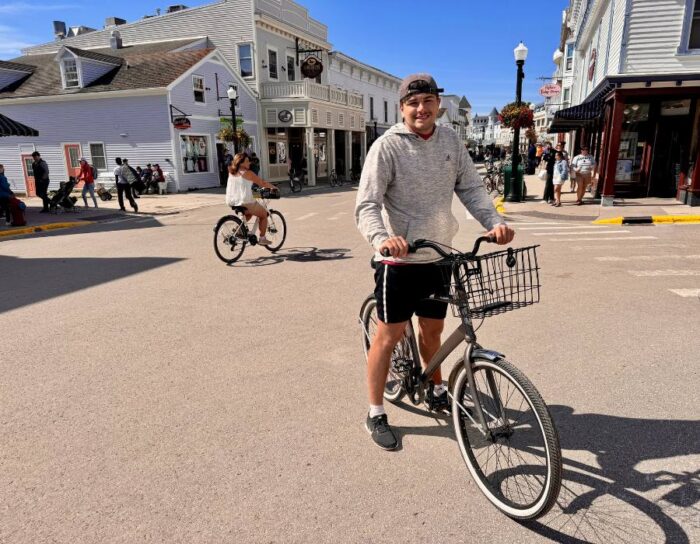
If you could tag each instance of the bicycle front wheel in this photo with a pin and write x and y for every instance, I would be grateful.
(276, 230)
(334, 180)
(488, 183)
(295, 185)
(500, 185)
(403, 358)
(229, 238)
(516, 460)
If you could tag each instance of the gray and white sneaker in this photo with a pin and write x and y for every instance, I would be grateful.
(383, 436)
(264, 241)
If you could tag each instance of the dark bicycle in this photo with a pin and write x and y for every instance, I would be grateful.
(504, 430)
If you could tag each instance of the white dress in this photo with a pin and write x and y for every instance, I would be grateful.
(239, 191)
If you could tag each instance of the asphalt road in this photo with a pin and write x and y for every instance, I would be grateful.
(148, 392)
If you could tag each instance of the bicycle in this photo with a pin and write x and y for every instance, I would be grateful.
(493, 179)
(232, 233)
(483, 383)
(333, 179)
(294, 182)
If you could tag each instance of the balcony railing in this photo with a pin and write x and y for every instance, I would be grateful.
(311, 90)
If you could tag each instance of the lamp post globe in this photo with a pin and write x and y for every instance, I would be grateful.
(515, 192)
(232, 93)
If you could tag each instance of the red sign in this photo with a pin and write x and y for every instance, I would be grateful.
(181, 123)
(591, 65)
(550, 90)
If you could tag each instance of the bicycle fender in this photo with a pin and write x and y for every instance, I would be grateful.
(488, 354)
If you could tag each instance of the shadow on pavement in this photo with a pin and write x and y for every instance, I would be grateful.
(296, 254)
(602, 501)
(32, 280)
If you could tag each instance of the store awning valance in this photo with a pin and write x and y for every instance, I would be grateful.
(576, 116)
(8, 127)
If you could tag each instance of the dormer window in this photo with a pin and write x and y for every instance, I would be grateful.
(70, 74)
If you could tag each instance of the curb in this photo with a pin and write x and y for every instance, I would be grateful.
(648, 220)
(498, 203)
(42, 228)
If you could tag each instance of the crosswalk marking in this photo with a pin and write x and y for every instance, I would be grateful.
(655, 273)
(307, 216)
(686, 293)
(570, 233)
(605, 239)
(648, 258)
(596, 227)
(337, 216)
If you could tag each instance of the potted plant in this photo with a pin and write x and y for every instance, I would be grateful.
(226, 134)
(516, 116)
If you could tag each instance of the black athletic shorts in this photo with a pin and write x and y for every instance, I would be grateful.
(401, 290)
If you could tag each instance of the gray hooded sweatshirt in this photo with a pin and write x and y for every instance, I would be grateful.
(407, 185)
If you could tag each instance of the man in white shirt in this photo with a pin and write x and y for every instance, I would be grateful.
(584, 166)
(123, 187)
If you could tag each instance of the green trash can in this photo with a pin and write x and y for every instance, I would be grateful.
(514, 188)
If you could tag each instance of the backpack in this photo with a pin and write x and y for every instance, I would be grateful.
(94, 172)
(135, 175)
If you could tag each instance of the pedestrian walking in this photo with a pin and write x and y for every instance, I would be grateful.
(5, 194)
(40, 170)
(123, 187)
(398, 203)
(255, 164)
(131, 176)
(88, 178)
(561, 174)
(538, 154)
(531, 158)
(584, 166)
(548, 160)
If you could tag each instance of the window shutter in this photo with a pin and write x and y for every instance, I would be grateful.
(299, 116)
(271, 116)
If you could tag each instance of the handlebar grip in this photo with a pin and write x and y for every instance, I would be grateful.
(411, 249)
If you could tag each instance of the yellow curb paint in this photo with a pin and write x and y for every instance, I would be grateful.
(42, 228)
(498, 203)
(676, 218)
(611, 221)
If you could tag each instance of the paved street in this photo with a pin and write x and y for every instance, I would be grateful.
(152, 393)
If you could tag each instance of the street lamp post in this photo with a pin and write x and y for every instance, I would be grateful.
(516, 191)
(232, 93)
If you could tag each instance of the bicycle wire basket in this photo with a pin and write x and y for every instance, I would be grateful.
(495, 283)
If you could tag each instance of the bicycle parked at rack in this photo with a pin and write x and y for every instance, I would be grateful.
(504, 430)
(232, 232)
(493, 179)
(336, 180)
(295, 181)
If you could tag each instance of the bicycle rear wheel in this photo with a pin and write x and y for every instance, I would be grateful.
(229, 239)
(403, 358)
(276, 230)
(333, 179)
(294, 185)
(500, 185)
(488, 183)
(517, 465)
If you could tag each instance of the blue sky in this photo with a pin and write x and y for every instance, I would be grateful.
(466, 44)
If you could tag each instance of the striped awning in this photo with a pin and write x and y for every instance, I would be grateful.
(8, 127)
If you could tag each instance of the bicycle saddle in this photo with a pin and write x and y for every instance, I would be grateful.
(239, 209)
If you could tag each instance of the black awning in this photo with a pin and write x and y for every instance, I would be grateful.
(584, 114)
(8, 127)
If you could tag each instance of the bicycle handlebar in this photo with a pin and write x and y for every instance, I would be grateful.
(421, 243)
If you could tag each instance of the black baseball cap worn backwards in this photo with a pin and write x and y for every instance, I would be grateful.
(418, 84)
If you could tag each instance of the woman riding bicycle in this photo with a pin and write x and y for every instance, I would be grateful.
(239, 192)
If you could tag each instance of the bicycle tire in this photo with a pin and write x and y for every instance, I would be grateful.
(275, 223)
(470, 440)
(295, 185)
(333, 180)
(500, 185)
(227, 246)
(406, 348)
(488, 183)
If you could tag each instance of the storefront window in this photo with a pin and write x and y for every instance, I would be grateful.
(195, 154)
(635, 126)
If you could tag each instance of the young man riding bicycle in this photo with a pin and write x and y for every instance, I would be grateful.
(405, 193)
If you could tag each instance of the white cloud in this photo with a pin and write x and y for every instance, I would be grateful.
(25, 7)
(11, 42)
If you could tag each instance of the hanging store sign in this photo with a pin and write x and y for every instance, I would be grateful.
(311, 67)
(591, 64)
(550, 90)
(285, 116)
(181, 123)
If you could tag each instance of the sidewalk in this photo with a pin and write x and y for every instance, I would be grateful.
(534, 206)
(149, 206)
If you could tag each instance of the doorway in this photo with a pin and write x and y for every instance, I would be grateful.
(29, 184)
(220, 161)
(340, 152)
(670, 157)
(71, 153)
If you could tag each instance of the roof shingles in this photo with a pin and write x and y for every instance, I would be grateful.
(142, 67)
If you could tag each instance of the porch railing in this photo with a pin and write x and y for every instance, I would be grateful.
(311, 90)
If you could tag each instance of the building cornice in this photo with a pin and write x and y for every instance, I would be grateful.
(271, 24)
(155, 91)
(342, 57)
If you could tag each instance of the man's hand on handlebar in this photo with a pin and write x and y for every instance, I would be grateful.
(397, 246)
(502, 233)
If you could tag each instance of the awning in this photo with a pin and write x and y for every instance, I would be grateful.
(8, 127)
(584, 114)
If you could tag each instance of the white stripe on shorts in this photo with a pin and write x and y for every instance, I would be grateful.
(386, 320)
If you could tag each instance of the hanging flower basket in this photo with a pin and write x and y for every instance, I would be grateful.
(225, 134)
(514, 116)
